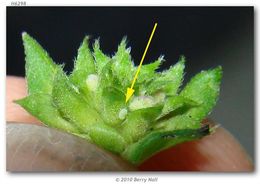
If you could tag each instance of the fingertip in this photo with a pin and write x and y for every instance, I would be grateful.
(16, 89)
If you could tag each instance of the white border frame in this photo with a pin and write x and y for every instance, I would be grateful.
(171, 178)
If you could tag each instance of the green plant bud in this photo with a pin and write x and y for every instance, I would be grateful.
(90, 102)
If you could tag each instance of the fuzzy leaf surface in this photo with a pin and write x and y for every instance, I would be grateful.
(157, 141)
(122, 65)
(41, 106)
(72, 104)
(84, 65)
(100, 58)
(204, 89)
(168, 81)
(40, 69)
(138, 121)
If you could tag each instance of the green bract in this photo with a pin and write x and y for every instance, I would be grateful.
(90, 102)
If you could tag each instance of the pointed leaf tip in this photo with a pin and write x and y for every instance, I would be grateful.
(39, 66)
(182, 59)
(24, 34)
(96, 44)
(124, 41)
(84, 64)
(85, 40)
(218, 71)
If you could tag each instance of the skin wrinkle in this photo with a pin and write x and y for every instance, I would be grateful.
(83, 165)
(19, 145)
(35, 156)
(218, 152)
(70, 154)
(52, 138)
(76, 160)
(17, 149)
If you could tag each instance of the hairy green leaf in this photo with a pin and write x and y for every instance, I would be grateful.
(139, 121)
(204, 89)
(123, 66)
(72, 104)
(84, 65)
(40, 69)
(177, 122)
(100, 58)
(42, 107)
(113, 103)
(177, 102)
(148, 72)
(107, 137)
(157, 141)
(168, 81)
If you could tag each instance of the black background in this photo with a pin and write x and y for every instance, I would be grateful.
(207, 36)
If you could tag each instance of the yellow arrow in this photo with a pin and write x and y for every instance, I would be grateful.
(130, 91)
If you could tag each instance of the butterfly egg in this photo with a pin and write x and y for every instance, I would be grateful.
(122, 113)
(92, 82)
